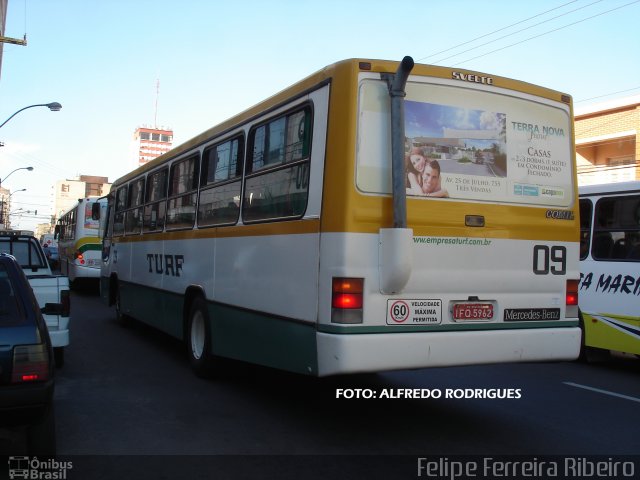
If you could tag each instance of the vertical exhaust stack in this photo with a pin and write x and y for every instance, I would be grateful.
(395, 244)
(396, 85)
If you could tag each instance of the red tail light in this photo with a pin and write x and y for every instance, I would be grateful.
(572, 299)
(347, 292)
(347, 298)
(30, 363)
(572, 292)
(79, 258)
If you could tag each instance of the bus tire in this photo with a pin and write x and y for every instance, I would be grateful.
(121, 317)
(590, 354)
(198, 338)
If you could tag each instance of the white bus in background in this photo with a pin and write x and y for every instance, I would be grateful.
(610, 267)
(79, 243)
(281, 236)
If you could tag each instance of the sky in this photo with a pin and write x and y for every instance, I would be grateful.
(212, 59)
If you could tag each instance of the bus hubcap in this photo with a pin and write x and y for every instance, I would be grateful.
(197, 336)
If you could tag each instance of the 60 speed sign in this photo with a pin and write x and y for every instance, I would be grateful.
(414, 312)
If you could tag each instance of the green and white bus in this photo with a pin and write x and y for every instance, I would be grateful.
(79, 243)
(292, 235)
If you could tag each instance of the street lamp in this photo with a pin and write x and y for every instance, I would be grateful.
(53, 106)
(21, 168)
(16, 191)
(4, 204)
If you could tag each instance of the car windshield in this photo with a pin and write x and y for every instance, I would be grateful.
(10, 313)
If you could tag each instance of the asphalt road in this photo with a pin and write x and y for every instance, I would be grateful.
(129, 391)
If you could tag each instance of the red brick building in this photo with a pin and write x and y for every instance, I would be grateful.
(607, 147)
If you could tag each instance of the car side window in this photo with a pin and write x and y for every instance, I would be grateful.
(10, 313)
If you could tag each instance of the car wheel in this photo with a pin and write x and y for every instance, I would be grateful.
(41, 436)
(199, 338)
(58, 355)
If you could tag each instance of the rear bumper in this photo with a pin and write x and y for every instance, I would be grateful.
(353, 353)
(58, 330)
(25, 404)
(86, 272)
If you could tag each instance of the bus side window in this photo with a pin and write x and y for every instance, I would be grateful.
(183, 184)
(585, 227)
(616, 235)
(121, 204)
(277, 183)
(133, 216)
(156, 201)
(220, 183)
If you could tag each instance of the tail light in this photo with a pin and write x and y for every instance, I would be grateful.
(347, 298)
(79, 258)
(30, 363)
(572, 299)
(65, 300)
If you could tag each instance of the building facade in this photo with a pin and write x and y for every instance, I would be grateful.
(67, 192)
(607, 147)
(151, 142)
(5, 208)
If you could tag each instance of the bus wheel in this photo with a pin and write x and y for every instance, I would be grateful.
(590, 354)
(121, 317)
(199, 338)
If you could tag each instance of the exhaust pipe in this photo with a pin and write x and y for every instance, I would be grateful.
(395, 244)
(397, 94)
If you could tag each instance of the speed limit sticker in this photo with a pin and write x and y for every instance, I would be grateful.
(414, 312)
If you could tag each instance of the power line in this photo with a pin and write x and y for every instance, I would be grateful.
(547, 33)
(495, 31)
(519, 31)
(608, 94)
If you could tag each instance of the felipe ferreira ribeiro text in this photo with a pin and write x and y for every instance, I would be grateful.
(489, 467)
(454, 393)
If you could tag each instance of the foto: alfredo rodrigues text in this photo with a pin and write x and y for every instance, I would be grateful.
(422, 393)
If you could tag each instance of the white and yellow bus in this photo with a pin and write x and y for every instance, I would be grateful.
(79, 243)
(293, 236)
(610, 268)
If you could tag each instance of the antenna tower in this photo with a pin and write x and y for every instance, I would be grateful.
(155, 114)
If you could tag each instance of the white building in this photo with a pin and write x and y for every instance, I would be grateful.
(68, 192)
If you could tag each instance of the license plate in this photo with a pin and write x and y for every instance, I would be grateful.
(473, 311)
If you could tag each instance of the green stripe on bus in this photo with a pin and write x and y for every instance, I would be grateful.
(90, 247)
(236, 333)
(264, 339)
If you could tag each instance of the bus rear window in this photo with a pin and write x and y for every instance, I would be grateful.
(468, 144)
